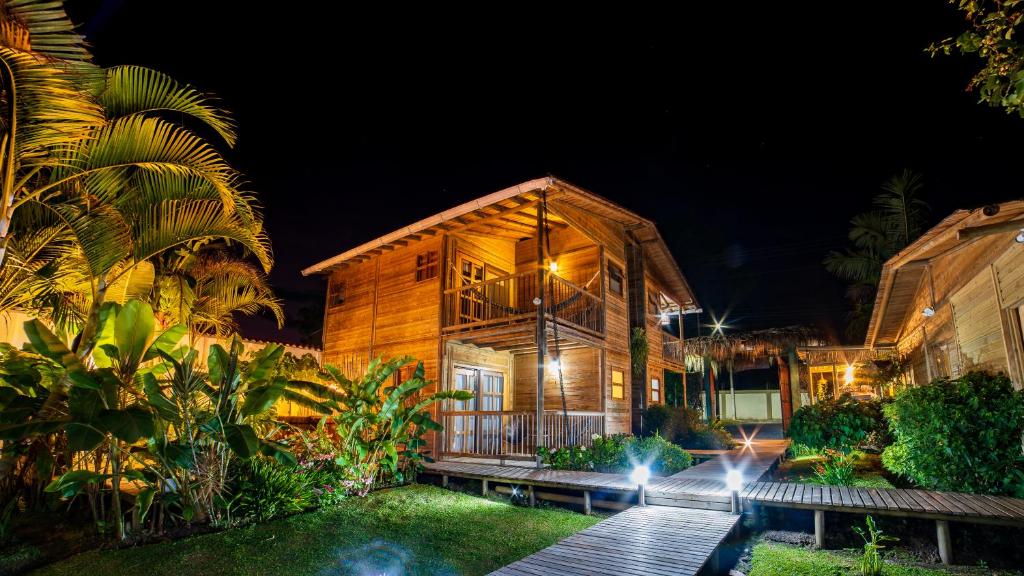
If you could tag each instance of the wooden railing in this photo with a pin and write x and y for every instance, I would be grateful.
(501, 434)
(510, 298)
(672, 349)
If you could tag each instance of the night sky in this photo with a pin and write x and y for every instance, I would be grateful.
(750, 135)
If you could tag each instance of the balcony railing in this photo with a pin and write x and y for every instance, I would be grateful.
(672, 350)
(514, 434)
(509, 299)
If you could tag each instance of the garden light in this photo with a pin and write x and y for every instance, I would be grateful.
(734, 481)
(640, 475)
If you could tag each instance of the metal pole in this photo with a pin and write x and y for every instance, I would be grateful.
(732, 388)
(542, 341)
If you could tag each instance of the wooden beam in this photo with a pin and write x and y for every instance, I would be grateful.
(973, 232)
(493, 216)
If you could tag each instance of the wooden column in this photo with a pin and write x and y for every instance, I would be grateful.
(732, 387)
(819, 528)
(794, 378)
(785, 392)
(542, 340)
(945, 542)
(485, 488)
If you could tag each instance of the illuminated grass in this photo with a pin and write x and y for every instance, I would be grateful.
(411, 530)
(785, 560)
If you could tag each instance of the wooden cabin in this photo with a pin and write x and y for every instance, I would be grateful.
(953, 301)
(464, 292)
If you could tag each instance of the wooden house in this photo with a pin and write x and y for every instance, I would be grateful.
(953, 301)
(526, 297)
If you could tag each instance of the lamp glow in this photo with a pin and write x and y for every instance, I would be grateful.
(734, 480)
(640, 475)
(928, 311)
(665, 319)
(554, 365)
(1020, 237)
(848, 375)
(553, 266)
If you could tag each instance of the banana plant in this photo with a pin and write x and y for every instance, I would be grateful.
(382, 427)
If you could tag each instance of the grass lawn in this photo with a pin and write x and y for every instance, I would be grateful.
(415, 529)
(770, 559)
(869, 472)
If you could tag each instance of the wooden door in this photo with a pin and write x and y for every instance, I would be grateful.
(471, 300)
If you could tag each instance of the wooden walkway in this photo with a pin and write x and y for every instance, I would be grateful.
(954, 506)
(657, 540)
(701, 486)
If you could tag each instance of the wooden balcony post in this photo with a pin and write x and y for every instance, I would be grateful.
(542, 341)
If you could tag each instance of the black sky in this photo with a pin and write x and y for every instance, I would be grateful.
(750, 135)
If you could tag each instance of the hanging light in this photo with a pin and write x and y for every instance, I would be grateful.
(664, 319)
(553, 266)
(554, 365)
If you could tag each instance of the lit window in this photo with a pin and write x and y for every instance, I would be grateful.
(655, 390)
(618, 385)
(337, 294)
(614, 279)
(426, 266)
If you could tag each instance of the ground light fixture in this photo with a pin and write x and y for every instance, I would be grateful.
(733, 482)
(640, 475)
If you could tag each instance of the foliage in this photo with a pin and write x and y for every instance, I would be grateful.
(959, 435)
(638, 351)
(898, 218)
(268, 489)
(686, 427)
(991, 36)
(871, 562)
(619, 453)
(843, 424)
(413, 529)
(380, 427)
(837, 469)
(771, 559)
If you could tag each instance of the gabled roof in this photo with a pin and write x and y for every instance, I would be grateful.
(903, 273)
(504, 210)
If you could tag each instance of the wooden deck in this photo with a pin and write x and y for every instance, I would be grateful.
(656, 540)
(954, 506)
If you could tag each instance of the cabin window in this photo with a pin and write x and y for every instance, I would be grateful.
(337, 294)
(614, 279)
(655, 390)
(618, 385)
(426, 266)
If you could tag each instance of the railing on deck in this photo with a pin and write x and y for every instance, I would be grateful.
(510, 298)
(672, 349)
(497, 433)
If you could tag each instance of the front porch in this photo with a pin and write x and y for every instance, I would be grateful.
(506, 435)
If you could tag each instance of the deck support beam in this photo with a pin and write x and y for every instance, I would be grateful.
(819, 528)
(485, 488)
(586, 502)
(533, 496)
(945, 542)
(444, 481)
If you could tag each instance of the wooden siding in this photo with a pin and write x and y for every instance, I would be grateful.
(581, 373)
(978, 326)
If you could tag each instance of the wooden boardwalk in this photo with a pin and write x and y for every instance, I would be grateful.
(701, 486)
(978, 508)
(657, 540)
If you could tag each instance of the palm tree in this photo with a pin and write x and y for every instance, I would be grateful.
(898, 218)
(96, 183)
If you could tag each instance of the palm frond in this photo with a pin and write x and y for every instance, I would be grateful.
(50, 32)
(137, 90)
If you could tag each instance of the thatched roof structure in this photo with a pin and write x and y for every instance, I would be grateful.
(751, 345)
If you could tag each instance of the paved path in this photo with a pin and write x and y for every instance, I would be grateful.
(658, 540)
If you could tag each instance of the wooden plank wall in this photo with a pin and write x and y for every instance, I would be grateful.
(581, 373)
(979, 332)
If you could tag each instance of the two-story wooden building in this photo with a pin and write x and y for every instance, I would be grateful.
(527, 297)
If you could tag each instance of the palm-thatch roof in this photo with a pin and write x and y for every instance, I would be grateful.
(752, 344)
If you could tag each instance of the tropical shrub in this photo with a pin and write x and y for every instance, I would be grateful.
(961, 435)
(843, 424)
(686, 427)
(619, 453)
(837, 468)
(871, 562)
(267, 489)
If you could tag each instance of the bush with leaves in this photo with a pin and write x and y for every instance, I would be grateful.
(686, 427)
(961, 435)
(619, 453)
(837, 468)
(844, 424)
(268, 489)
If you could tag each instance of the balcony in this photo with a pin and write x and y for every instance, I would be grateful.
(508, 300)
(502, 434)
(672, 349)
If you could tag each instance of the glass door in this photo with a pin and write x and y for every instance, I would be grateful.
(492, 399)
(462, 435)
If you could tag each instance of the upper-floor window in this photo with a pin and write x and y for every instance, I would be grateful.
(655, 390)
(426, 265)
(614, 279)
(618, 385)
(336, 296)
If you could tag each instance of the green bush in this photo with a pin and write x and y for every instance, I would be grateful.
(961, 435)
(844, 424)
(685, 426)
(266, 489)
(838, 468)
(619, 453)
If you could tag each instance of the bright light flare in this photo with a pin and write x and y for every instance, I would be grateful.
(734, 480)
(554, 365)
(848, 375)
(640, 475)
(553, 266)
